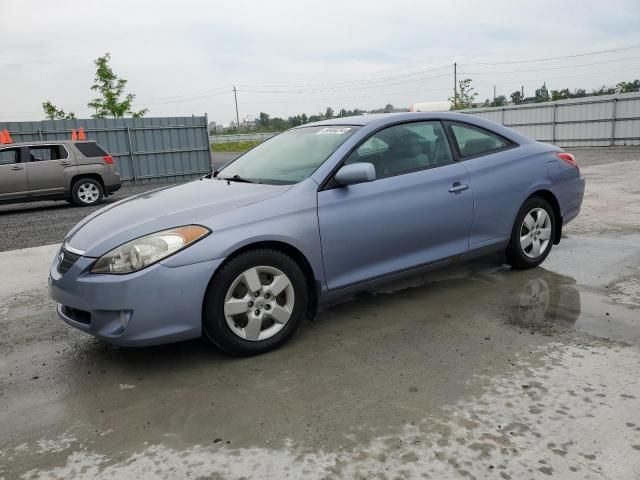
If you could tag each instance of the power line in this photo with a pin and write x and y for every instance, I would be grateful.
(330, 99)
(344, 89)
(552, 68)
(597, 52)
(349, 82)
(539, 79)
(203, 92)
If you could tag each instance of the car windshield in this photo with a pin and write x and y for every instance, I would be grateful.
(289, 157)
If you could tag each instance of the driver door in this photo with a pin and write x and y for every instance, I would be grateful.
(418, 210)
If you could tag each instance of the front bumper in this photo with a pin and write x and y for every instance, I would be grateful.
(154, 306)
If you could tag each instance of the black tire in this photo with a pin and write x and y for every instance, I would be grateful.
(516, 255)
(214, 322)
(87, 184)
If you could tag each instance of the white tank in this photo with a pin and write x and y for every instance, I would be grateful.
(443, 106)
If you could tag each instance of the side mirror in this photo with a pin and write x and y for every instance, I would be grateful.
(355, 173)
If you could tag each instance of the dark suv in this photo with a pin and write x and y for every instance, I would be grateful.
(80, 172)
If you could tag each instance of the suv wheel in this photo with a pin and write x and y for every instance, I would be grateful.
(255, 302)
(87, 191)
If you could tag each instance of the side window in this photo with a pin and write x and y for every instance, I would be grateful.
(47, 152)
(473, 140)
(8, 156)
(404, 148)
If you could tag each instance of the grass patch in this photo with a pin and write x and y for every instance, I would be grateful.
(241, 146)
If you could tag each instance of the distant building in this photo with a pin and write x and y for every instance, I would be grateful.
(542, 94)
(215, 127)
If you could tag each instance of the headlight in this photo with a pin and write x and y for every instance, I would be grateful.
(144, 251)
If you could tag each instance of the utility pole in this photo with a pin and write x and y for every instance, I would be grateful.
(455, 85)
(235, 96)
(494, 94)
(522, 92)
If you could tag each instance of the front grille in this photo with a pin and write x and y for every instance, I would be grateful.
(67, 259)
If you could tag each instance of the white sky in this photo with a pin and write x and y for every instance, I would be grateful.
(181, 57)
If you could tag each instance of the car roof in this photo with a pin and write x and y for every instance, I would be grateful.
(44, 142)
(379, 120)
(382, 118)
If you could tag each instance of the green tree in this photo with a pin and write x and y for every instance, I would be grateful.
(499, 101)
(111, 89)
(627, 87)
(328, 113)
(52, 112)
(263, 120)
(516, 97)
(560, 94)
(465, 97)
(603, 90)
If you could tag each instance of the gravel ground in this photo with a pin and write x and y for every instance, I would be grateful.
(588, 156)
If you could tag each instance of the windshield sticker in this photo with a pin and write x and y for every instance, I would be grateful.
(333, 130)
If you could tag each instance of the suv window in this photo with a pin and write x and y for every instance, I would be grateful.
(474, 140)
(38, 153)
(404, 148)
(8, 156)
(90, 149)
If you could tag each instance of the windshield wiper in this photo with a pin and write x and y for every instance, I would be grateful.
(237, 178)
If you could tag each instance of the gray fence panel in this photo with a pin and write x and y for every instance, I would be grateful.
(145, 149)
(589, 121)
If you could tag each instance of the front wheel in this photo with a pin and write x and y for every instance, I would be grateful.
(532, 235)
(255, 302)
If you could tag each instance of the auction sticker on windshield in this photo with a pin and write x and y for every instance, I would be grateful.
(333, 130)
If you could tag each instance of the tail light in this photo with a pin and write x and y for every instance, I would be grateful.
(108, 160)
(567, 157)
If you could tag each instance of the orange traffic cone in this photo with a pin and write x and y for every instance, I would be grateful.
(6, 138)
(74, 135)
(81, 135)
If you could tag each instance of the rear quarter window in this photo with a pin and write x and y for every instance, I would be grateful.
(90, 149)
(472, 140)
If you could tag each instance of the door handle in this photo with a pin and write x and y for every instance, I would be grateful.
(65, 164)
(17, 167)
(458, 187)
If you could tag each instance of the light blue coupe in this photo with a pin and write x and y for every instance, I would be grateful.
(317, 212)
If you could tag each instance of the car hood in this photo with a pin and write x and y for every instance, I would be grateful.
(161, 209)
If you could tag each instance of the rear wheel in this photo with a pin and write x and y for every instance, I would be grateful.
(255, 303)
(87, 191)
(532, 235)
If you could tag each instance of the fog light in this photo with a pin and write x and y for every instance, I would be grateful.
(121, 322)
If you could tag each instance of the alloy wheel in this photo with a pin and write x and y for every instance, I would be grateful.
(535, 233)
(88, 193)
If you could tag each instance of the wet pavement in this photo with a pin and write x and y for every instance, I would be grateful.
(474, 371)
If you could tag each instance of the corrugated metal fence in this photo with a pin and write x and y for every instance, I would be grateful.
(589, 121)
(145, 149)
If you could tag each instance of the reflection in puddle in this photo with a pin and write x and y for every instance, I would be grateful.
(546, 304)
(537, 300)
